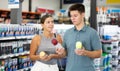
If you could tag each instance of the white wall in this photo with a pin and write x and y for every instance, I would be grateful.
(87, 7)
(99, 3)
(49, 4)
(103, 3)
(25, 5)
(52, 4)
(4, 4)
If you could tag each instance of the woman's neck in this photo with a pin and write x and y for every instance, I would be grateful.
(47, 34)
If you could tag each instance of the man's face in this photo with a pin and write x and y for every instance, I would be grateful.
(76, 17)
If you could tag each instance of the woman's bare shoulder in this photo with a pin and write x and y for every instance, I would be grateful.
(37, 37)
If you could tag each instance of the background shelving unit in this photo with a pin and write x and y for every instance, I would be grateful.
(28, 17)
(14, 47)
(108, 29)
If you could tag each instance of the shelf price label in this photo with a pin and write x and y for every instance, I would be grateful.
(113, 1)
(13, 4)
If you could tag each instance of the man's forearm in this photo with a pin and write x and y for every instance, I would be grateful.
(94, 54)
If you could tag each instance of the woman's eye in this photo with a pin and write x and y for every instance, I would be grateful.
(48, 22)
(52, 21)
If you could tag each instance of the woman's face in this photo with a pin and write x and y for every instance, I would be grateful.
(48, 25)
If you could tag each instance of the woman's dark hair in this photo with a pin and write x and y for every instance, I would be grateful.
(44, 17)
(79, 7)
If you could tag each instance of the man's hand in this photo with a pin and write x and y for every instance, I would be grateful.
(81, 52)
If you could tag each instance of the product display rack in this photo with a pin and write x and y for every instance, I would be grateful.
(14, 47)
(108, 29)
(27, 17)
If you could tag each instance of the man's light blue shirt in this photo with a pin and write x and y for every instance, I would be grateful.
(90, 40)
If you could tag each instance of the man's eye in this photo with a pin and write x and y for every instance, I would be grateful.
(52, 21)
(75, 15)
(48, 22)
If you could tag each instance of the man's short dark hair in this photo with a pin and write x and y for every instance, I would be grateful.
(79, 7)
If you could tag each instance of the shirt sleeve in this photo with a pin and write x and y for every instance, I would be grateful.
(95, 41)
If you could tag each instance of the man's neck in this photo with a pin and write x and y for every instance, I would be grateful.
(80, 26)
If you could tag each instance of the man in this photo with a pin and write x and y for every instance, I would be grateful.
(80, 59)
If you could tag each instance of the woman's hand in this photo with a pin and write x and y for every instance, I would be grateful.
(60, 50)
(46, 57)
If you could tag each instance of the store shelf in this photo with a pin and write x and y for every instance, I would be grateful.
(25, 15)
(24, 37)
(24, 69)
(7, 38)
(119, 57)
(108, 41)
(13, 55)
(17, 37)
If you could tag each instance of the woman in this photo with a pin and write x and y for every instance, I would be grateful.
(43, 43)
